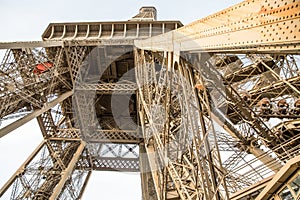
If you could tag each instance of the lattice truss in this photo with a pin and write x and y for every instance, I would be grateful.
(20, 88)
(180, 138)
(214, 106)
(259, 129)
(40, 83)
(197, 125)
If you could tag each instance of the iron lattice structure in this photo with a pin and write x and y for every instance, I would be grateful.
(190, 107)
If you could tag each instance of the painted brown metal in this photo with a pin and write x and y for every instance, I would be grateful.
(178, 82)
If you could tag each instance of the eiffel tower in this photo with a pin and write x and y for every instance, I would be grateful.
(205, 111)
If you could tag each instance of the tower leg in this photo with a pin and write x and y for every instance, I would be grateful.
(148, 188)
(48, 173)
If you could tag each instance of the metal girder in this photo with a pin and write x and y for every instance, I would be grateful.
(182, 159)
(250, 190)
(252, 25)
(108, 31)
(282, 177)
(181, 95)
(67, 172)
(112, 164)
(24, 86)
(109, 88)
(31, 44)
(271, 91)
(101, 136)
(147, 182)
(7, 129)
(46, 172)
(110, 157)
(236, 179)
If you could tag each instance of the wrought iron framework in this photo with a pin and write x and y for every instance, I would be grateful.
(192, 108)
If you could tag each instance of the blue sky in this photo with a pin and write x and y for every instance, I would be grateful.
(26, 20)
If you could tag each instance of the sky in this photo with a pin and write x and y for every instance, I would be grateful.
(27, 19)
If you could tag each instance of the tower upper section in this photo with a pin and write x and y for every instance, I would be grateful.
(141, 26)
(146, 13)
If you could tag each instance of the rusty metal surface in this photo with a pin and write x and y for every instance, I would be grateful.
(252, 25)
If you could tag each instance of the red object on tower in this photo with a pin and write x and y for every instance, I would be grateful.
(42, 67)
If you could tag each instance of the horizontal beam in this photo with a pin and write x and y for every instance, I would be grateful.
(101, 136)
(61, 43)
(279, 87)
(280, 178)
(9, 128)
(252, 25)
(108, 30)
(252, 189)
(31, 44)
(110, 164)
(109, 88)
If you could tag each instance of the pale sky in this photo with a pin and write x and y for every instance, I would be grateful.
(27, 19)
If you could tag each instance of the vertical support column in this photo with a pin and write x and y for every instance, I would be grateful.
(85, 184)
(65, 174)
(216, 187)
(46, 174)
(20, 171)
(148, 188)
